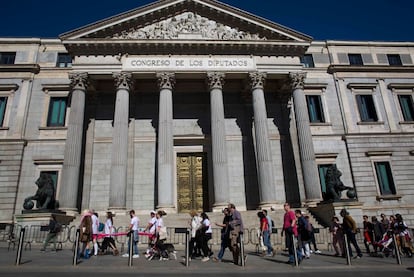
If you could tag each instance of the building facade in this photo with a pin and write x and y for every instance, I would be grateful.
(186, 105)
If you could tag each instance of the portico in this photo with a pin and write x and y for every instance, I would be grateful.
(157, 90)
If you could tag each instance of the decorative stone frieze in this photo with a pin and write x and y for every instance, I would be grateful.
(185, 24)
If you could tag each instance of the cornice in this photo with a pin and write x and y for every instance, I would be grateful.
(199, 47)
(369, 68)
(32, 68)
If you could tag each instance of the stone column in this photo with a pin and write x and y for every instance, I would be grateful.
(263, 150)
(68, 194)
(166, 83)
(118, 183)
(307, 152)
(218, 140)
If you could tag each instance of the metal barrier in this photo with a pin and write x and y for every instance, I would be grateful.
(36, 234)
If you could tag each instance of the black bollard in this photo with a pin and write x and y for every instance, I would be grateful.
(187, 248)
(76, 248)
(243, 260)
(348, 257)
(131, 250)
(295, 252)
(20, 246)
(397, 252)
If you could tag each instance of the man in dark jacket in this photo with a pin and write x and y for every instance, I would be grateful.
(54, 229)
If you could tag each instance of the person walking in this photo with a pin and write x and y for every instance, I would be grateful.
(290, 231)
(133, 228)
(236, 228)
(350, 230)
(303, 234)
(206, 236)
(225, 235)
(95, 231)
(108, 240)
(337, 237)
(312, 241)
(378, 230)
(264, 231)
(85, 233)
(368, 233)
(54, 229)
(195, 242)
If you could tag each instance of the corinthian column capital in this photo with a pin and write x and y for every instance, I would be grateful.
(166, 80)
(123, 80)
(215, 80)
(297, 80)
(79, 80)
(257, 80)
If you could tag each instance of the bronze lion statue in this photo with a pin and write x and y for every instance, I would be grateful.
(334, 185)
(45, 194)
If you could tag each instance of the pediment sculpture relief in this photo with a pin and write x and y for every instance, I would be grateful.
(187, 26)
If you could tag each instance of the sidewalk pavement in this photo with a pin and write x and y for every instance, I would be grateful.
(35, 260)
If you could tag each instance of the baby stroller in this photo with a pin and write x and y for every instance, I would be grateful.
(386, 244)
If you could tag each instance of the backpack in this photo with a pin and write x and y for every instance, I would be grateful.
(57, 228)
(101, 227)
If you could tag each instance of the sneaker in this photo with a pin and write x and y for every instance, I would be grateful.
(318, 251)
(135, 256)
(126, 255)
(216, 259)
(205, 259)
(269, 254)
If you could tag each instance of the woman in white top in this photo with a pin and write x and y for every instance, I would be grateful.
(108, 240)
(206, 236)
(161, 235)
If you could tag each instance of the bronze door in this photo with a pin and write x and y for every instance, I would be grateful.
(191, 182)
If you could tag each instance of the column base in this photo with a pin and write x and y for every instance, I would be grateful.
(271, 206)
(118, 211)
(218, 207)
(167, 209)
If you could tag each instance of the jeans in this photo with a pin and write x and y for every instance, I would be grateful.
(266, 241)
(135, 238)
(224, 244)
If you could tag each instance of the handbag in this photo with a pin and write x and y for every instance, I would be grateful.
(162, 233)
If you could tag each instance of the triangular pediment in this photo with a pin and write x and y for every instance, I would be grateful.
(189, 22)
(187, 25)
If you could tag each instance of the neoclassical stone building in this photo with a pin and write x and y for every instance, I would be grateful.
(191, 104)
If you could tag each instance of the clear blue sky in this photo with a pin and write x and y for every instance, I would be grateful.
(376, 20)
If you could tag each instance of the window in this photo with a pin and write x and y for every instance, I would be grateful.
(3, 103)
(366, 108)
(57, 111)
(394, 59)
(355, 59)
(307, 61)
(7, 57)
(315, 108)
(385, 179)
(322, 173)
(64, 60)
(407, 106)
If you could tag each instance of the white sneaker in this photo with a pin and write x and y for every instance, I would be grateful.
(318, 252)
(205, 259)
(135, 256)
(126, 255)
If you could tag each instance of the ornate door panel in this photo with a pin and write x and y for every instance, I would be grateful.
(191, 182)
